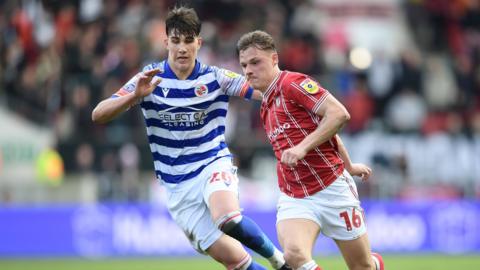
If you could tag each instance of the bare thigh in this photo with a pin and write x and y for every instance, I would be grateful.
(227, 251)
(297, 237)
(223, 202)
(356, 252)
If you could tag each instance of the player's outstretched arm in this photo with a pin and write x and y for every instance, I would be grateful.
(355, 169)
(110, 108)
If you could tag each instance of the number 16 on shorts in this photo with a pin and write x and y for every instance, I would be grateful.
(353, 217)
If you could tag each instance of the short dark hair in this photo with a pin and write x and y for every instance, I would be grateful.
(183, 21)
(259, 39)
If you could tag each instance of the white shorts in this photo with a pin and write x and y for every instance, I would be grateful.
(335, 209)
(188, 202)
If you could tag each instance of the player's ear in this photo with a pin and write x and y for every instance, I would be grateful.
(165, 42)
(275, 58)
(199, 42)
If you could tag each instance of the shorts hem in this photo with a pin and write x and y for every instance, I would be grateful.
(307, 218)
(347, 238)
(207, 244)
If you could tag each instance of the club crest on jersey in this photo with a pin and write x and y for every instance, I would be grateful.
(231, 74)
(201, 90)
(165, 91)
(310, 86)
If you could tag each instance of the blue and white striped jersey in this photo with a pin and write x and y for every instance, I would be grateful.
(185, 119)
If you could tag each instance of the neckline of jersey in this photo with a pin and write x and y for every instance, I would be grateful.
(270, 88)
(169, 72)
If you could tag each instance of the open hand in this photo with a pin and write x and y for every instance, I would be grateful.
(146, 83)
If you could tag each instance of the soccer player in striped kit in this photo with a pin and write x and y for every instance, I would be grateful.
(184, 103)
(318, 194)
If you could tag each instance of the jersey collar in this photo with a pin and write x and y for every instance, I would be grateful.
(270, 88)
(171, 75)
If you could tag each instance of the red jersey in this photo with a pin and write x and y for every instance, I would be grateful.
(288, 112)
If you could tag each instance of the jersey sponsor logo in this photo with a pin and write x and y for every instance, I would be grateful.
(310, 86)
(165, 91)
(201, 90)
(231, 74)
(183, 119)
(277, 131)
(277, 101)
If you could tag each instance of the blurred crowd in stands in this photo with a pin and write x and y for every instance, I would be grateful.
(415, 113)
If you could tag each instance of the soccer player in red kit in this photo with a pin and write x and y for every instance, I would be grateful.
(318, 193)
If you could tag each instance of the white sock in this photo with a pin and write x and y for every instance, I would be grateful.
(376, 262)
(277, 259)
(309, 265)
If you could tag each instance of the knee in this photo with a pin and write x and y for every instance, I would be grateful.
(295, 255)
(228, 221)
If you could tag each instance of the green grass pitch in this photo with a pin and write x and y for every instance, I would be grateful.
(392, 262)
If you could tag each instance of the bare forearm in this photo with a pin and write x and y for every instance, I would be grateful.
(111, 108)
(328, 127)
(344, 153)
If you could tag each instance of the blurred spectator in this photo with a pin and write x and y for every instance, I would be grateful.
(465, 79)
(57, 58)
(130, 175)
(381, 77)
(359, 104)
(299, 54)
(409, 72)
(440, 89)
(108, 176)
(85, 157)
(406, 111)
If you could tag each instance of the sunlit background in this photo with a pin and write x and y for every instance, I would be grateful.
(408, 71)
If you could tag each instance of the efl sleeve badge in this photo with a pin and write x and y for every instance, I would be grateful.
(310, 86)
(231, 74)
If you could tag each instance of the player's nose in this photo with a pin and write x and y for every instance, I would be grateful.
(248, 71)
(182, 49)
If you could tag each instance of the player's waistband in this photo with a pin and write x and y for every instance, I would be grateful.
(176, 179)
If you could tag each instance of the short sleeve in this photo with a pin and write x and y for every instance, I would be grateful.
(131, 85)
(306, 92)
(233, 84)
(127, 88)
